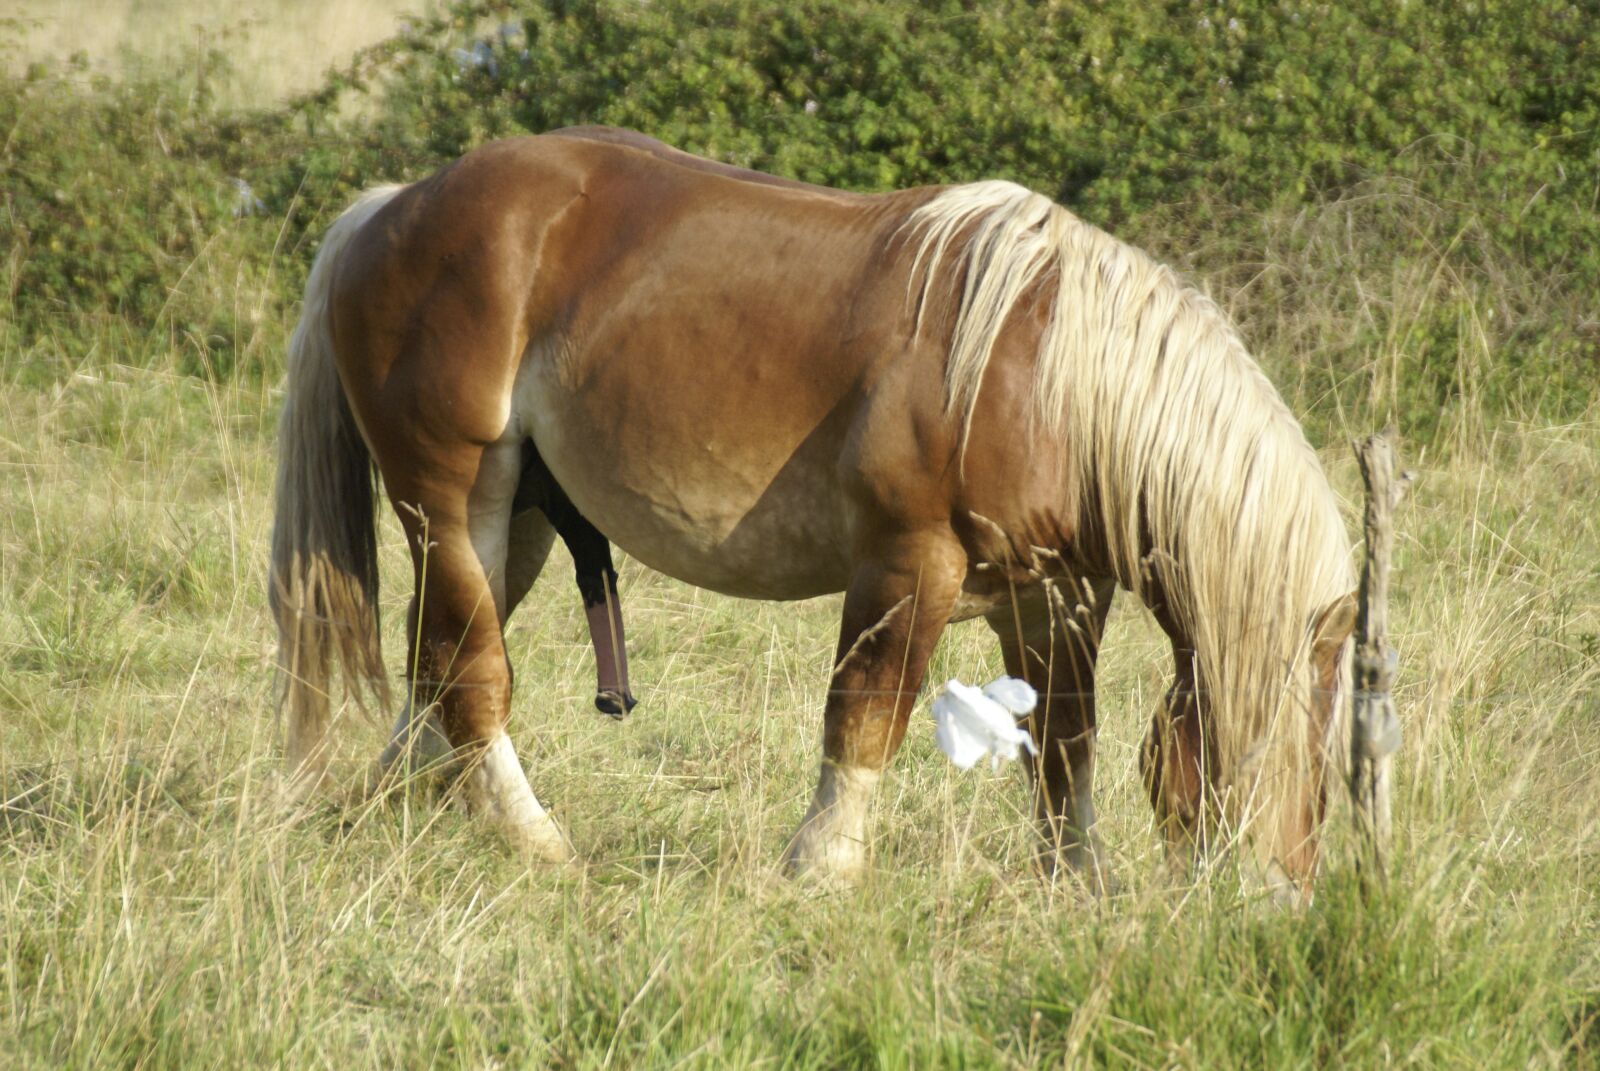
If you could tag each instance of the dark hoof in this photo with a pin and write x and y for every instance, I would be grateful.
(614, 704)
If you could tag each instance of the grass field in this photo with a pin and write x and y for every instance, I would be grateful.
(157, 909)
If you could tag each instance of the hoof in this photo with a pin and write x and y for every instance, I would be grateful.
(832, 863)
(614, 704)
(831, 843)
(544, 845)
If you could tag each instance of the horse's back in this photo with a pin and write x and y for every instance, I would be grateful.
(631, 139)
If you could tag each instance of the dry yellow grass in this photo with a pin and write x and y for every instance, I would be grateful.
(276, 47)
(157, 911)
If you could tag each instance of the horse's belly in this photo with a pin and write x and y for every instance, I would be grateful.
(713, 509)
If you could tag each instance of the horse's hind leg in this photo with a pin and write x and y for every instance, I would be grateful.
(531, 537)
(418, 744)
(456, 665)
(1054, 648)
(896, 606)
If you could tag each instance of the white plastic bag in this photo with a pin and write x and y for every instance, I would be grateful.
(970, 723)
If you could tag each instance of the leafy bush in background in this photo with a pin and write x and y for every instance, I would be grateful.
(1180, 125)
(111, 196)
(1456, 145)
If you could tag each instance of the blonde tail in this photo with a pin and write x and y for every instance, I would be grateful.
(324, 575)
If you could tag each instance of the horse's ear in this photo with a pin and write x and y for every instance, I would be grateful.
(1329, 630)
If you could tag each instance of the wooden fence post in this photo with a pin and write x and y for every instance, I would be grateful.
(1374, 726)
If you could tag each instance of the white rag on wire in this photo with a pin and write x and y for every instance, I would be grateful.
(970, 722)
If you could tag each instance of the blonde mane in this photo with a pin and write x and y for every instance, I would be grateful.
(1190, 463)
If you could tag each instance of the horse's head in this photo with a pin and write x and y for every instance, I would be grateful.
(1182, 767)
(1295, 847)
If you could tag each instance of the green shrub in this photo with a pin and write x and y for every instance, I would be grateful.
(1114, 108)
(1456, 143)
(108, 198)
(1165, 121)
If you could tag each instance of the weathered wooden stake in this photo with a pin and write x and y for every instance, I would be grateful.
(1374, 726)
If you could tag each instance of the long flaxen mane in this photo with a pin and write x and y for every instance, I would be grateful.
(1201, 478)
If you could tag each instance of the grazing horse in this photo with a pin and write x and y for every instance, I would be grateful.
(945, 402)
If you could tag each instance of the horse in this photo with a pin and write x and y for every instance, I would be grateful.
(946, 402)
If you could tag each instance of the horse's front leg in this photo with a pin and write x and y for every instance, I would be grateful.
(897, 604)
(1054, 648)
(1177, 766)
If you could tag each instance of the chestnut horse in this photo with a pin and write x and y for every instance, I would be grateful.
(945, 402)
